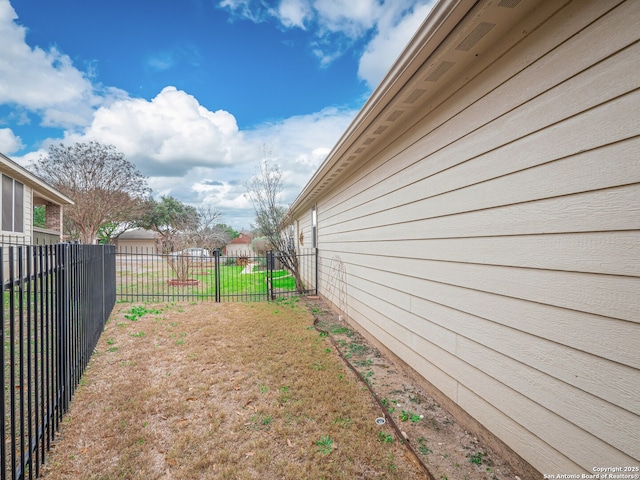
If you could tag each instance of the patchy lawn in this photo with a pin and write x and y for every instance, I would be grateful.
(204, 391)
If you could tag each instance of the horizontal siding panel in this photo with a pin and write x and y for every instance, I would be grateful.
(612, 253)
(363, 315)
(615, 426)
(614, 382)
(603, 210)
(533, 449)
(605, 295)
(379, 298)
(617, 384)
(458, 190)
(584, 449)
(541, 422)
(616, 342)
(519, 438)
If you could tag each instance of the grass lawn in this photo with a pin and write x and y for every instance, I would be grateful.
(151, 279)
(231, 390)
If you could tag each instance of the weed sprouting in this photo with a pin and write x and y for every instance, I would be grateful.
(476, 458)
(422, 447)
(341, 331)
(342, 421)
(368, 376)
(385, 437)
(409, 416)
(325, 445)
(136, 312)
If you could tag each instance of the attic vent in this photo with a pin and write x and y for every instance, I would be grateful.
(379, 130)
(339, 169)
(360, 150)
(474, 37)
(369, 141)
(509, 3)
(439, 71)
(394, 116)
(415, 95)
(352, 157)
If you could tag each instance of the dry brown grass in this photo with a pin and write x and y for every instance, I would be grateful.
(208, 391)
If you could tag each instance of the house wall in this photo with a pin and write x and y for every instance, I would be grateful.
(238, 249)
(137, 246)
(493, 246)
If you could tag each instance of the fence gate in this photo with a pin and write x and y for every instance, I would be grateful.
(142, 275)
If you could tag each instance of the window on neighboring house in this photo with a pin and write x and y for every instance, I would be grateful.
(314, 228)
(12, 205)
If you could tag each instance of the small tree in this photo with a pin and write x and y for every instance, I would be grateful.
(103, 184)
(171, 219)
(264, 190)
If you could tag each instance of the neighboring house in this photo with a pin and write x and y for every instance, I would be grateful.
(484, 210)
(21, 192)
(240, 245)
(137, 240)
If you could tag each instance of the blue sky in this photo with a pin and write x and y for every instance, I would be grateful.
(192, 91)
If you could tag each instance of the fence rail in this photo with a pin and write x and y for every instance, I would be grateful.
(56, 300)
(145, 276)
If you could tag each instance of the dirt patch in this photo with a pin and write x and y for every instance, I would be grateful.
(447, 450)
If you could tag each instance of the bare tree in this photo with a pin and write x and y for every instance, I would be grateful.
(103, 184)
(264, 190)
(209, 233)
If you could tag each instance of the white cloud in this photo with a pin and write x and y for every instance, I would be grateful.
(168, 134)
(336, 25)
(394, 33)
(294, 13)
(253, 10)
(43, 81)
(351, 18)
(9, 142)
(299, 144)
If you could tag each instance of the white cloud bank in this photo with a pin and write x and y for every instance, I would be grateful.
(45, 81)
(337, 24)
(9, 142)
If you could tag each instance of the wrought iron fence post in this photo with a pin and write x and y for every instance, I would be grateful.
(316, 271)
(270, 267)
(216, 256)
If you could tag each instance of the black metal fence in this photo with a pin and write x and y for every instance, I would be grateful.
(145, 276)
(56, 300)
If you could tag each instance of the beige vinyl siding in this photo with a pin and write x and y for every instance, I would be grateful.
(493, 246)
